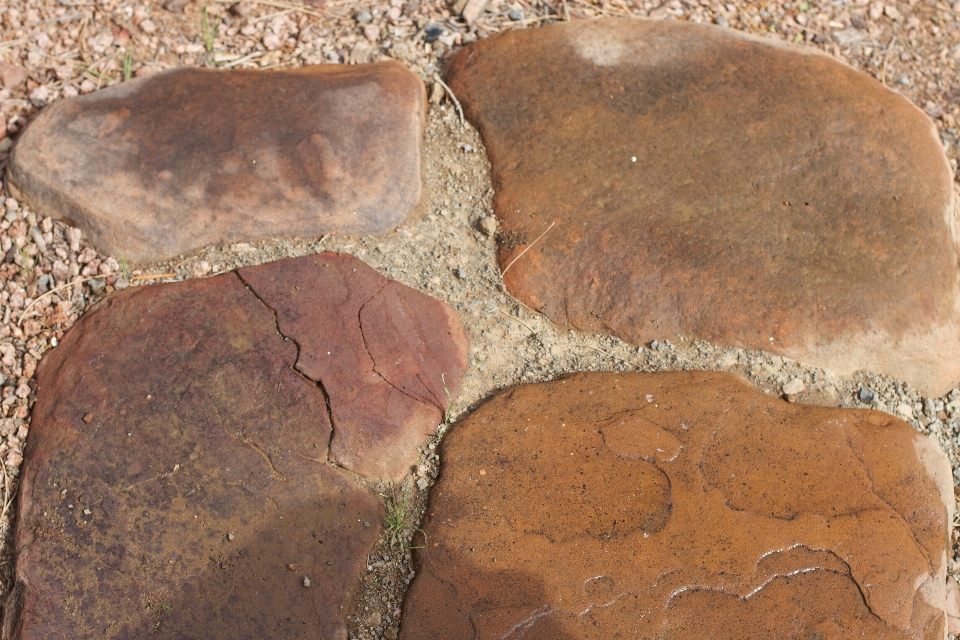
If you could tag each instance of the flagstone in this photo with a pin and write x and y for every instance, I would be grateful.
(177, 478)
(390, 358)
(157, 166)
(681, 505)
(656, 178)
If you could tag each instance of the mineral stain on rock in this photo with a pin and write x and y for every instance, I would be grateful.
(178, 463)
(680, 505)
(162, 165)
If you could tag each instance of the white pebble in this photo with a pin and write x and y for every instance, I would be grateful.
(793, 387)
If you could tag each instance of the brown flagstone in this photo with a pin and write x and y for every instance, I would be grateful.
(158, 166)
(681, 505)
(177, 462)
(382, 350)
(716, 185)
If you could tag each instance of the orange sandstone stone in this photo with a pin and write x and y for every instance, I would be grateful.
(681, 505)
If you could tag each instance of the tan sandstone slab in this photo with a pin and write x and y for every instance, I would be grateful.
(177, 479)
(707, 183)
(681, 505)
(158, 166)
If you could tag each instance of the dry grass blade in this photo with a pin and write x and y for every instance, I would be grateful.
(529, 246)
(57, 289)
(7, 494)
(452, 97)
(153, 276)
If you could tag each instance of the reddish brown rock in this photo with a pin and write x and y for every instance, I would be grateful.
(383, 352)
(161, 165)
(711, 184)
(178, 462)
(681, 505)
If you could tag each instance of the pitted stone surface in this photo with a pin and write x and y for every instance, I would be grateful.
(387, 355)
(681, 505)
(177, 462)
(707, 183)
(158, 166)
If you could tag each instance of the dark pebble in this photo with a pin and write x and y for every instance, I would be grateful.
(432, 32)
(867, 395)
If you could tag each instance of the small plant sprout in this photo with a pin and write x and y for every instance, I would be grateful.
(127, 66)
(397, 516)
(125, 267)
(209, 32)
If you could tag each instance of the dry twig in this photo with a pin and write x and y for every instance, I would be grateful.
(529, 246)
(449, 91)
(57, 289)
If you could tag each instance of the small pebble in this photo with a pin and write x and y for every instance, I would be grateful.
(866, 395)
(433, 32)
(515, 14)
(488, 226)
(793, 387)
(720, 20)
(306, 581)
(364, 17)
(422, 484)
(905, 410)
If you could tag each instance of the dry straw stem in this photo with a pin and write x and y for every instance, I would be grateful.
(886, 56)
(529, 246)
(518, 320)
(153, 276)
(55, 290)
(7, 494)
(287, 5)
(449, 91)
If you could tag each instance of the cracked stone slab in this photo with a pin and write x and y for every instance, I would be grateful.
(158, 166)
(390, 358)
(178, 462)
(681, 505)
(707, 183)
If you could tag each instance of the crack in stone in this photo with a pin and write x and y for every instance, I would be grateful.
(363, 339)
(317, 383)
(245, 440)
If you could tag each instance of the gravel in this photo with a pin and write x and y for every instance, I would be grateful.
(49, 276)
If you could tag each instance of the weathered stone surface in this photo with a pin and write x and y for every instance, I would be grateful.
(177, 460)
(681, 505)
(157, 166)
(381, 350)
(710, 184)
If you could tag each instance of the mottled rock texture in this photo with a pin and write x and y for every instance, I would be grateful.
(390, 358)
(158, 166)
(711, 184)
(178, 460)
(681, 505)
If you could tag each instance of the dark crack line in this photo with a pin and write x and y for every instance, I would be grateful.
(363, 339)
(245, 440)
(318, 383)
